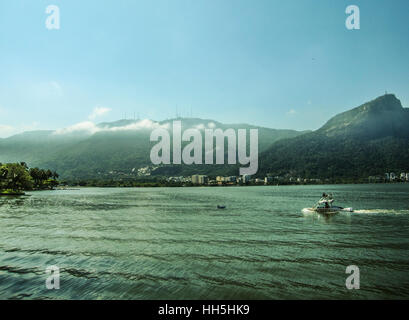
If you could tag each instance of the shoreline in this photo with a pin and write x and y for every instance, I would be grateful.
(76, 188)
(12, 194)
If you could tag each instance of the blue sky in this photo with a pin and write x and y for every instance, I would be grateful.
(281, 64)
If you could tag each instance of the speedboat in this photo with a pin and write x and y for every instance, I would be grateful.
(326, 206)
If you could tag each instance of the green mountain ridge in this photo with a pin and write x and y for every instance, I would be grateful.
(81, 154)
(368, 140)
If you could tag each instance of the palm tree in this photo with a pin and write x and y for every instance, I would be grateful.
(55, 175)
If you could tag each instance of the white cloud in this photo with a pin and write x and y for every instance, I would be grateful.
(89, 127)
(84, 127)
(98, 112)
(291, 112)
(140, 125)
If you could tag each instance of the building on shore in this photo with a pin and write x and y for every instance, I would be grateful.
(268, 180)
(199, 179)
(392, 176)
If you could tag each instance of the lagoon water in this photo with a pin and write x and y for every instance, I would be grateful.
(173, 243)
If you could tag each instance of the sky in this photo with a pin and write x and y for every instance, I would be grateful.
(281, 64)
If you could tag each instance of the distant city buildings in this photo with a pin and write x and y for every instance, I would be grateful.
(146, 175)
(269, 179)
(199, 179)
(226, 180)
(144, 171)
(390, 177)
(179, 179)
(247, 179)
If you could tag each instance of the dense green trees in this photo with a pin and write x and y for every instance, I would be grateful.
(17, 177)
(43, 179)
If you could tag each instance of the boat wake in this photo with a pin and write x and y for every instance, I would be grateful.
(307, 211)
(381, 211)
(362, 211)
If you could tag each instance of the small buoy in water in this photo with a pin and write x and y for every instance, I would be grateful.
(221, 207)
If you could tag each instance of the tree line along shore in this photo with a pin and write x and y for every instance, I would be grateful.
(15, 178)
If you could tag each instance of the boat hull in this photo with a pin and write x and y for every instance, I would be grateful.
(330, 211)
(327, 211)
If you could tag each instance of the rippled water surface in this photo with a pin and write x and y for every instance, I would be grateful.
(172, 243)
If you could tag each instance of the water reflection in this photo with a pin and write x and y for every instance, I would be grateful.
(13, 200)
(172, 243)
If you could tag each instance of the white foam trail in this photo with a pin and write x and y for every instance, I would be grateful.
(363, 211)
(381, 211)
(307, 211)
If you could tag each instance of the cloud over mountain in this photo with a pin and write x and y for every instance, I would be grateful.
(88, 127)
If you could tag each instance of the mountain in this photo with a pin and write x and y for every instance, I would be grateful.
(368, 140)
(381, 117)
(114, 149)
